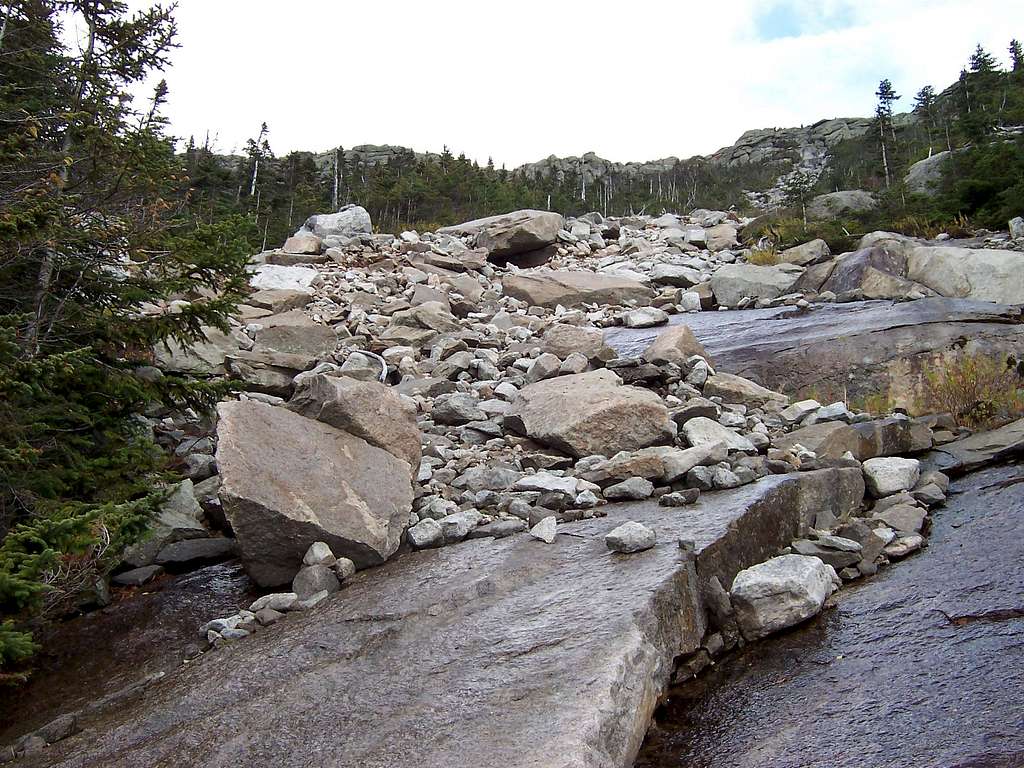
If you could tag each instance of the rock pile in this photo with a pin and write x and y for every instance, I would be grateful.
(423, 390)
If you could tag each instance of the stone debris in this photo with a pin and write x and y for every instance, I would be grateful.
(780, 592)
(456, 385)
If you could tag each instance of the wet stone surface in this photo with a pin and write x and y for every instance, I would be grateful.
(922, 665)
(146, 631)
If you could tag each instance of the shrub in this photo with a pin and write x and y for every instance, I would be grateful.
(980, 391)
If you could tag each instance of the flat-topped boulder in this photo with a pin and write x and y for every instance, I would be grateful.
(510, 234)
(734, 282)
(288, 481)
(548, 288)
(969, 273)
(605, 416)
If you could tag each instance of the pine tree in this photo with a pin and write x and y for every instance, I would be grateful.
(94, 234)
(1016, 56)
(883, 117)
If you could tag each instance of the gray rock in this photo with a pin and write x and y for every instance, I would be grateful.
(630, 537)
(545, 530)
(278, 601)
(702, 432)
(835, 205)
(605, 417)
(349, 220)
(680, 498)
(457, 408)
(366, 409)
(426, 533)
(902, 517)
(633, 489)
(137, 576)
(644, 317)
(288, 481)
(545, 288)
(319, 553)
(889, 475)
(674, 345)
(779, 593)
(733, 282)
(314, 578)
(196, 550)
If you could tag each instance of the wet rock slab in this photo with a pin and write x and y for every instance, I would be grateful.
(919, 666)
(856, 349)
(509, 652)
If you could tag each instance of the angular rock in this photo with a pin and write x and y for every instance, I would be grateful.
(902, 517)
(288, 481)
(312, 579)
(886, 476)
(545, 530)
(366, 409)
(644, 317)
(736, 389)
(633, 489)
(733, 282)
(807, 254)
(605, 418)
(563, 340)
(702, 432)
(349, 220)
(544, 288)
(512, 233)
(630, 537)
(780, 593)
(426, 533)
(674, 345)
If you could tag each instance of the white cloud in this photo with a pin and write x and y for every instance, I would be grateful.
(520, 81)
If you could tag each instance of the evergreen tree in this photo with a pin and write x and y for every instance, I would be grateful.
(883, 117)
(1016, 56)
(94, 237)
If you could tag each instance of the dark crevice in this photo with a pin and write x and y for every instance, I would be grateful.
(996, 614)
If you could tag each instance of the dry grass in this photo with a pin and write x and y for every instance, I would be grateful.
(981, 391)
(763, 257)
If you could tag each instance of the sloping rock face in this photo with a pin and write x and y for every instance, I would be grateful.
(510, 234)
(875, 273)
(545, 288)
(604, 417)
(289, 481)
(366, 409)
(354, 682)
(977, 450)
(845, 351)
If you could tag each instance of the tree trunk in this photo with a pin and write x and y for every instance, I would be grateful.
(49, 255)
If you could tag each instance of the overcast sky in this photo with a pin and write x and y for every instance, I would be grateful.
(519, 81)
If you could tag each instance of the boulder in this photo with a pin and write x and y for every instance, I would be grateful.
(303, 244)
(349, 220)
(886, 476)
(721, 237)
(705, 432)
(366, 409)
(736, 389)
(875, 272)
(807, 254)
(924, 176)
(547, 288)
(644, 317)
(605, 417)
(179, 519)
(562, 340)
(206, 357)
(510, 234)
(274, 277)
(969, 273)
(835, 205)
(733, 282)
(630, 537)
(675, 275)
(828, 440)
(780, 593)
(674, 345)
(289, 481)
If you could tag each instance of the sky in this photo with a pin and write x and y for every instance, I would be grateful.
(636, 80)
